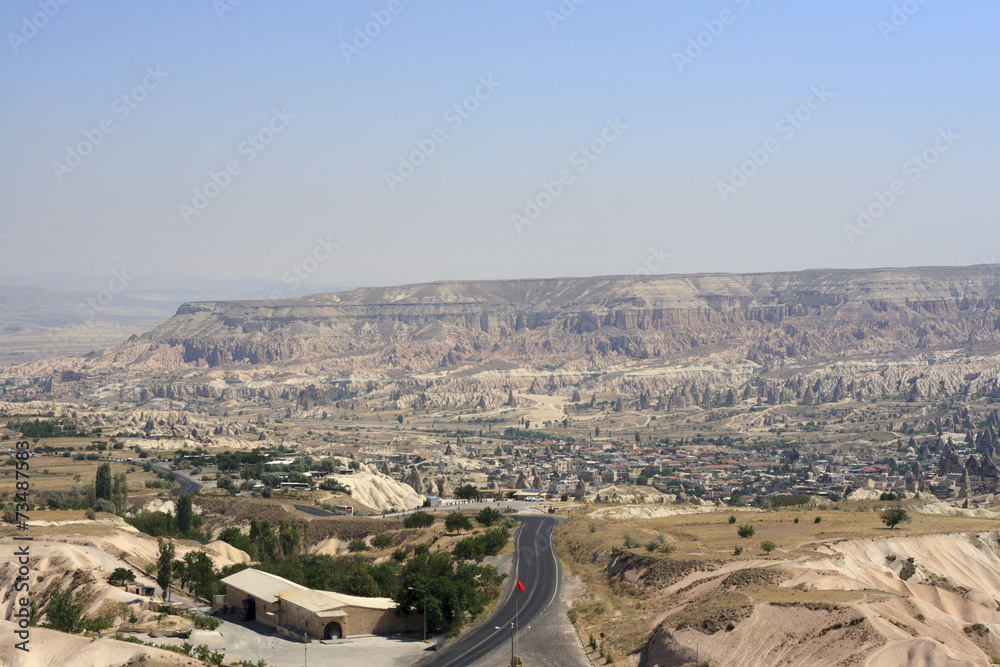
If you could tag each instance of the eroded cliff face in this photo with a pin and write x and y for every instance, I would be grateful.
(687, 340)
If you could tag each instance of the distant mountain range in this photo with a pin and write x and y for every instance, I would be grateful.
(45, 315)
(704, 339)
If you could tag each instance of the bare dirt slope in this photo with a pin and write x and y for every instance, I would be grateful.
(49, 648)
(841, 591)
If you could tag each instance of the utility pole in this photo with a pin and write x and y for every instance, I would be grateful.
(513, 630)
(512, 658)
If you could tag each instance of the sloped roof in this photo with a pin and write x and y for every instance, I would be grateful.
(262, 585)
(270, 588)
(325, 601)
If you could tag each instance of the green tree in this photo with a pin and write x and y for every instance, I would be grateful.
(121, 576)
(488, 516)
(180, 572)
(64, 612)
(262, 535)
(184, 513)
(200, 571)
(165, 567)
(746, 530)
(103, 483)
(893, 516)
(98, 624)
(233, 536)
(225, 482)
(768, 546)
(451, 588)
(288, 537)
(495, 539)
(418, 519)
(119, 493)
(470, 548)
(456, 522)
(467, 492)
(360, 580)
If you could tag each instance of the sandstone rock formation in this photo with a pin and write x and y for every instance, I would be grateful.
(794, 338)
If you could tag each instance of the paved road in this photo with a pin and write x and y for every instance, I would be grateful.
(453, 505)
(185, 484)
(538, 569)
(313, 510)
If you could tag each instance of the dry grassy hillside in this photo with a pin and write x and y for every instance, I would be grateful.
(845, 590)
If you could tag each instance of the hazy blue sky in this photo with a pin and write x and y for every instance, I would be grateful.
(667, 121)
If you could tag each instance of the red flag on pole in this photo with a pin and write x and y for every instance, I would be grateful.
(520, 586)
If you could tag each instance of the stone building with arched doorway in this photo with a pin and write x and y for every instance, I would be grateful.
(293, 609)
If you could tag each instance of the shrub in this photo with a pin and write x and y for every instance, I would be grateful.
(667, 549)
(334, 486)
(356, 545)
(225, 482)
(206, 654)
(572, 614)
(817, 519)
(737, 550)
(418, 519)
(977, 628)
(652, 545)
(381, 541)
(204, 622)
(746, 530)
(796, 520)
(767, 546)
(104, 506)
(399, 555)
(91, 514)
(592, 527)
(732, 518)
(630, 542)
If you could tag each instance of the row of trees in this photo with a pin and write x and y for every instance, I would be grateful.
(266, 545)
(107, 493)
(454, 522)
(185, 523)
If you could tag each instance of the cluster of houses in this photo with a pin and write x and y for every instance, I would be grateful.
(943, 465)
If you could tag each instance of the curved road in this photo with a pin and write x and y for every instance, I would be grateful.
(313, 510)
(538, 569)
(185, 484)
